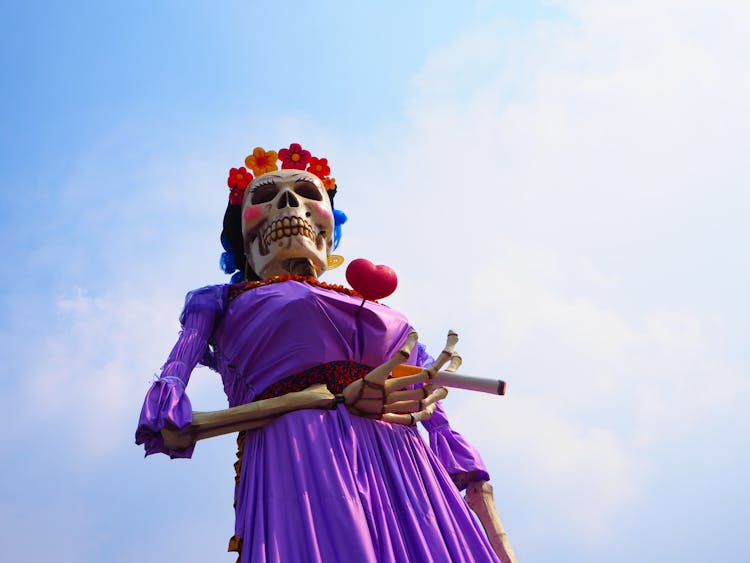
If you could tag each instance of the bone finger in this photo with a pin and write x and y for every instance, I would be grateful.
(410, 394)
(403, 406)
(410, 419)
(372, 393)
(438, 394)
(381, 373)
(370, 406)
(413, 400)
(437, 365)
(395, 418)
(424, 414)
(445, 355)
(455, 363)
(353, 391)
(451, 340)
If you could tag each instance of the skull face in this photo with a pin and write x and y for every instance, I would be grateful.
(286, 215)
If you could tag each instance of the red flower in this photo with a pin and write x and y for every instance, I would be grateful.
(319, 167)
(235, 196)
(239, 178)
(294, 157)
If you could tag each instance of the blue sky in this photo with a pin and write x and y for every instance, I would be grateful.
(563, 183)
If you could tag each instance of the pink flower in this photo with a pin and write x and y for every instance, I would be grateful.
(294, 157)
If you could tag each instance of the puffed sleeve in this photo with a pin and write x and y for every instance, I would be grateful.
(166, 400)
(460, 459)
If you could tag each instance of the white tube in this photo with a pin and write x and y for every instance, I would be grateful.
(458, 381)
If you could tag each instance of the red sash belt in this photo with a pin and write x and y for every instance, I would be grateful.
(336, 375)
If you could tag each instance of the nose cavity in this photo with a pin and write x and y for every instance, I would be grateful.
(287, 199)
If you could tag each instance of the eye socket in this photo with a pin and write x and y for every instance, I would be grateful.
(264, 193)
(307, 190)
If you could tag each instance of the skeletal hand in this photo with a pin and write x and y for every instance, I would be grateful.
(382, 397)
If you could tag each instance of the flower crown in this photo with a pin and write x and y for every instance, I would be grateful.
(263, 161)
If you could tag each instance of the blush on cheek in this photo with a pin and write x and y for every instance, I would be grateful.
(322, 211)
(251, 214)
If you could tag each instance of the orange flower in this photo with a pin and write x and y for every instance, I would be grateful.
(262, 161)
(319, 167)
(329, 183)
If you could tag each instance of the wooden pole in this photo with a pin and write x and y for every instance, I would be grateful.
(480, 499)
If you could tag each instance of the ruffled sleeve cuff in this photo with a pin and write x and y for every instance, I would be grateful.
(166, 402)
(460, 459)
(462, 462)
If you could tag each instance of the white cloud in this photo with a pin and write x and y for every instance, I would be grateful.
(565, 196)
(576, 477)
(90, 378)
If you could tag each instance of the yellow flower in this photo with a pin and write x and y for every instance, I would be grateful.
(262, 161)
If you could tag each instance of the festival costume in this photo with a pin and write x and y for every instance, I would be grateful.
(313, 485)
(320, 485)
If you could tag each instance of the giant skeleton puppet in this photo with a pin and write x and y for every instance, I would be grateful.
(331, 466)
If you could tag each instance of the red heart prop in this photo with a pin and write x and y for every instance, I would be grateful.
(371, 281)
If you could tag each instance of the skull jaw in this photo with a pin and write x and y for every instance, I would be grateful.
(282, 254)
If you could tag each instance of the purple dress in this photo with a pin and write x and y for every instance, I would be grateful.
(321, 485)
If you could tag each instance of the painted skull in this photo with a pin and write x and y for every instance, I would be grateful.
(286, 215)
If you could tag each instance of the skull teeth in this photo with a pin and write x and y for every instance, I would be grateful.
(287, 227)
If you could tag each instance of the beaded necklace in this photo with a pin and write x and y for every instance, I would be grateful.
(236, 289)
